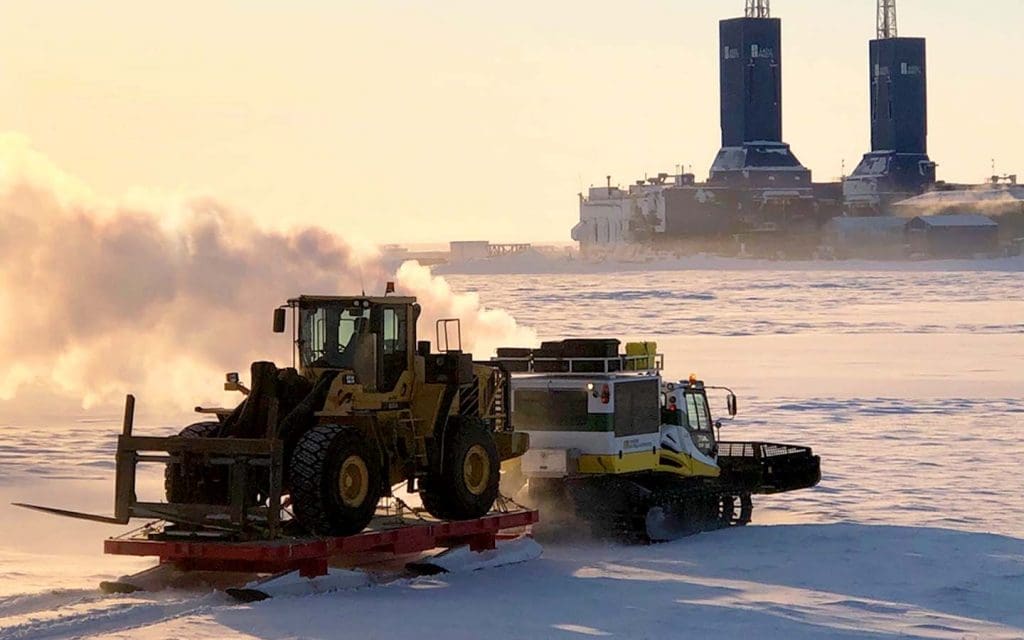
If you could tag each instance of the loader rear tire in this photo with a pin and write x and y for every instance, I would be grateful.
(336, 480)
(190, 484)
(466, 485)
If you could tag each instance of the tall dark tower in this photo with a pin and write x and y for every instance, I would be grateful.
(898, 165)
(899, 96)
(751, 74)
(753, 154)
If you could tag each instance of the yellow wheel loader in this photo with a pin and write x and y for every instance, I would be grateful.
(364, 407)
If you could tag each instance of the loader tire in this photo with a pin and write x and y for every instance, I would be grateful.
(190, 484)
(336, 480)
(466, 484)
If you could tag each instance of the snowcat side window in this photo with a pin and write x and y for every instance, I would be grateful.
(550, 410)
(671, 413)
(637, 407)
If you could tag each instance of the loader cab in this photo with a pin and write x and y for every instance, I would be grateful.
(373, 338)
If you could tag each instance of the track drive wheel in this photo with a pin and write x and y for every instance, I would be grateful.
(335, 480)
(736, 510)
(466, 485)
(186, 483)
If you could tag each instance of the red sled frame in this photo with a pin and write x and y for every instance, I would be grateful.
(312, 556)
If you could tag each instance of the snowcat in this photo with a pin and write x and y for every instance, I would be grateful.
(636, 456)
(364, 408)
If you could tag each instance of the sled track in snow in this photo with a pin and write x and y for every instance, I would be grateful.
(105, 614)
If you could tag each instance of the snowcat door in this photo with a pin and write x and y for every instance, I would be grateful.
(698, 419)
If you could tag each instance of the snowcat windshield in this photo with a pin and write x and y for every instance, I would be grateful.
(698, 416)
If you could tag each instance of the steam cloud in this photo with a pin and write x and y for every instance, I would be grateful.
(160, 296)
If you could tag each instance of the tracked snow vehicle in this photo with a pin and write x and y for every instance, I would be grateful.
(633, 454)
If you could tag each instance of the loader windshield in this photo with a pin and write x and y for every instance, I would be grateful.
(328, 335)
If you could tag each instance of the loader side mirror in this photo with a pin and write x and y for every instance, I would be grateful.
(730, 403)
(279, 320)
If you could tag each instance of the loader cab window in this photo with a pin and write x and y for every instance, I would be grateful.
(394, 346)
(329, 334)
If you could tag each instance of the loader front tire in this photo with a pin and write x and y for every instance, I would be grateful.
(191, 483)
(466, 484)
(336, 480)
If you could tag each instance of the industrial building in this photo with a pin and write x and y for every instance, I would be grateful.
(1001, 196)
(873, 237)
(758, 193)
(894, 238)
(755, 181)
(953, 236)
(898, 166)
(463, 251)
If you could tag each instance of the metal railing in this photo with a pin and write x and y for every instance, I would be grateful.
(580, 365)
(758, 450)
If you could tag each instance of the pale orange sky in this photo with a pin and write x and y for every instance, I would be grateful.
(415, 121)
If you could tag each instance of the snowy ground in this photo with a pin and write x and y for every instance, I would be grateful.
(908, 384)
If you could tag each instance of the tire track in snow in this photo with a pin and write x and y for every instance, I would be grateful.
(28, 603)
(119, 616)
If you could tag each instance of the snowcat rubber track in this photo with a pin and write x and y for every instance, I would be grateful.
(619, 508)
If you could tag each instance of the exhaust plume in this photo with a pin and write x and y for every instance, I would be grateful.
(159, 296)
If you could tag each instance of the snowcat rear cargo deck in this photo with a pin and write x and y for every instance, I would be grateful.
(766, 468)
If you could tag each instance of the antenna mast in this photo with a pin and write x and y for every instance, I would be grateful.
(886, 19)
(759, 9)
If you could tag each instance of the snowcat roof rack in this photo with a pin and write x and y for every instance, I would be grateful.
(587, 356)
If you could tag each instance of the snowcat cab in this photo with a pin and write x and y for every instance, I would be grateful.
(686, 405)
